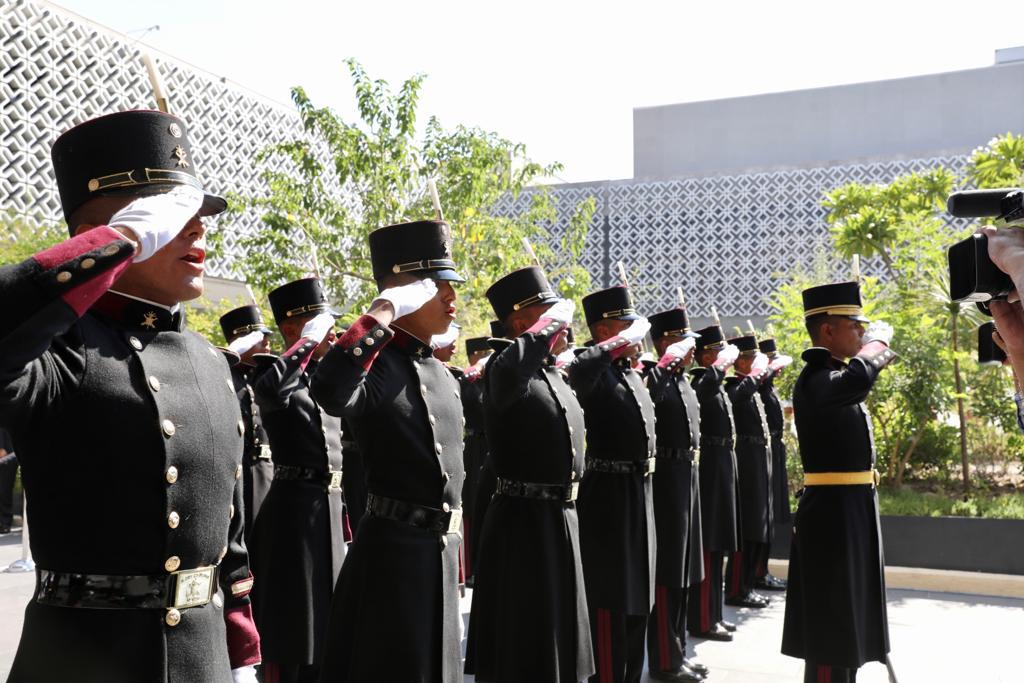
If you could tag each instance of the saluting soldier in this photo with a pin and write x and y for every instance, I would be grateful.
(753, 461)
(680, 562)
(475, 444)
(487, 480)
(835, 606)
(780, 480)
(299, 541)
(529, 620)
(96, 362)
(247, 335)
(617, 534)
(396, 608)
(719, 500)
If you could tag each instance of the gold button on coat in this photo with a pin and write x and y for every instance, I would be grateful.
(238, 471)
(172, 474)
(88, 263)
(168, 427)
(172, 563)
(136, 344)
(446, 507)
(173, 520)
(173, 617)
(432, 419)
(154, 383)
(241, 428)
(438, 448)
(63, 276)
(110, 249)
(231, 511)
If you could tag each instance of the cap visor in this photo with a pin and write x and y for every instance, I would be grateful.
(266, 330)
(445, 274)
(860, 318)
(628, 316)
(691, 335)
(212, 205)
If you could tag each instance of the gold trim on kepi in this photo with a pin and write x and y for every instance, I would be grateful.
(836, 310)
(619, 313)
(532, 300)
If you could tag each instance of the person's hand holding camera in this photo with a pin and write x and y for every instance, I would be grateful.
(1006, 249)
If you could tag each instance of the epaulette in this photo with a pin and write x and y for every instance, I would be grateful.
(499, 343)
(262, 361)
(230, 356)
(816, 355)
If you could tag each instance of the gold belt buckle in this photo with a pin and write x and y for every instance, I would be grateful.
(455, 521)
(193, 587)
(335, 483)
(264, 452)
(574, 489)
(649, 465)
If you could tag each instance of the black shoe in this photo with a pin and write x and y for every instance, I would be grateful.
(697, 666)
(5, 528)
(771, 583)
(752, 600)
(763, 598)
(683, 675)
(727, 625)
(717, 632)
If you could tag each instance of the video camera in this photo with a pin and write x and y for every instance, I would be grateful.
(972, 275)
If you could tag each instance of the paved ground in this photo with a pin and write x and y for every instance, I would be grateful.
(937, 637)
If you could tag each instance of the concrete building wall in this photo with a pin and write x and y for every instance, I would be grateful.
(923, 116)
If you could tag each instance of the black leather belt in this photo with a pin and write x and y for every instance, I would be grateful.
(331, 479)
(711, 440)
(178, 590)
(444, 521)
(644, 467)
(525, 489)
(750, 438)
(678, 453)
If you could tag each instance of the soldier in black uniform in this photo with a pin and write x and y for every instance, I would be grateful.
(835, 606)
(120, 412)
(676, 498)
(780, 480)
(753, 461)
(617, 534)
(396, 609)
(299, 541)
(487, 480)
(529, 621)
(719, 500)
(475, 444)
(247, 335)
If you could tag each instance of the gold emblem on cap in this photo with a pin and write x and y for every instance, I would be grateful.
(182, 156)
(174, 129)
(148, 319)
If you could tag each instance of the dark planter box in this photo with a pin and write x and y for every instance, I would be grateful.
(963, 543)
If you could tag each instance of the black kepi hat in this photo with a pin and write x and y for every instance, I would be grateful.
(671, 323)
(710, 338)
(519, 289)
(747, 344)
(298, 298)
(838, 298)
(239, 322)
(768, 347)
(476, 345)
(129, 152)
(988, 352)
(497, 329)
(420, 247)
(614, 303)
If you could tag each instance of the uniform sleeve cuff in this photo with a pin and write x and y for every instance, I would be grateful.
(616, 346)
(243, 638)
(80, 270)
(549, 328)
(669, 362)
(301, 352)
(364, 340)
(878, 354)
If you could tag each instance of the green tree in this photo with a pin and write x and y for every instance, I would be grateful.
(342, 180)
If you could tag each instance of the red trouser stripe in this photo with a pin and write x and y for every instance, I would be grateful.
(705, 596)
(824, 674)
(661, 605)
(604, 640)
(737, 569)
(271, 673)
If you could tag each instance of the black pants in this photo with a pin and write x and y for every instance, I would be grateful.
(705, 608)
(823, 673)
(8, 472)
(741, 571)
(666, 629)
(618, 646)
(290, 673)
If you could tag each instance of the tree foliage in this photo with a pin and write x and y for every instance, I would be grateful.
(330, 188)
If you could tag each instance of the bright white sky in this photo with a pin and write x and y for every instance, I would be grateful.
(564, 77)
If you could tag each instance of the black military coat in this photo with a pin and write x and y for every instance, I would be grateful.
(130, 443)
(396, 604)
(753, 458)
(529, 620)
(776, 425)
(719, 484)
(257, 465)
(677, 478)
(298, 543)
(617, 532)
(353, 477)
(473, 454)
(835, 604)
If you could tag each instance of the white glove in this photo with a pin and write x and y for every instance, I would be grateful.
(317, 328)
(759, 365)
(408, 298)
(727, 356)
(561, 311)
(442, 341)
(780, 362)
(682, 348)
(157, 219)
(565, 357)
(245, 674)
(636, 332)
(243, 344)
(879, 331)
